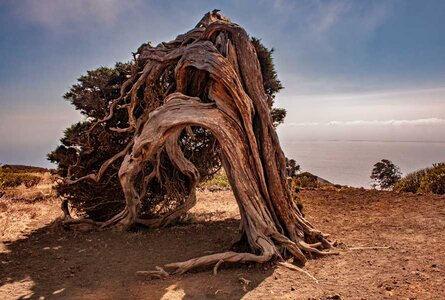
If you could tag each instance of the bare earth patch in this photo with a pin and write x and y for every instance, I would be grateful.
(39, 260)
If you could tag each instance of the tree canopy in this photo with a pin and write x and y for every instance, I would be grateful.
(385, 174)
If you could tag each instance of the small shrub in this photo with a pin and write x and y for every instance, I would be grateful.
(218, 181)
(411, 182)
(307, 180)
(9, 179)
(30, 180)
(428, 180)
(434, 180)
(23, 169)
(294, 188)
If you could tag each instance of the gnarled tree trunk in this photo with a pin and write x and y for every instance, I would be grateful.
(218, 86)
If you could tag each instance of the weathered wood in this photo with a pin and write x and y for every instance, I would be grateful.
(217, 86)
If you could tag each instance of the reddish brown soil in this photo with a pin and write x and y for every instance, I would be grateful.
(39, 260)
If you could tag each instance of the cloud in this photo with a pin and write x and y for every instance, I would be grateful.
(325, 17)
(416, 122)
(392, 93)
(328, 15)
(376, 16)
(54, 14)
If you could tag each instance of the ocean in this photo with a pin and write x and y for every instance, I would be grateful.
(350, 162)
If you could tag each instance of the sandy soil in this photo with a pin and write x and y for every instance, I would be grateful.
(38, 260)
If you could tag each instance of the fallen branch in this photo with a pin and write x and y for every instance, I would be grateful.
(369, 248)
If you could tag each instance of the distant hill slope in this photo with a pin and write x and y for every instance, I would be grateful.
(23, 169)
(323, 181)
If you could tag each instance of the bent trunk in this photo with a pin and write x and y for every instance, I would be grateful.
(218, 86)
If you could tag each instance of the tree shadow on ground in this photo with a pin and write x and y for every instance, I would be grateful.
(53, 263)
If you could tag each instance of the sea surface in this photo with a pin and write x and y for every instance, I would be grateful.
(350, 162)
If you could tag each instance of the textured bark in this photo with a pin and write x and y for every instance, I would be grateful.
(217, 86)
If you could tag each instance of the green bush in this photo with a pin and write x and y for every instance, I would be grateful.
(434, 180)
(22, 169)
(30, 180)
(294, 189)
(9, 179)
(218, 181)
(307, 180)
(411, 182)
(428, 180)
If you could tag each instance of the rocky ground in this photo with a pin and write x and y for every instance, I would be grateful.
(39, 260)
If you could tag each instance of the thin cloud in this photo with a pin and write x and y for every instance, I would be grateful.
(416, 122)
(54, 14)
(313, 86)
(328, 15)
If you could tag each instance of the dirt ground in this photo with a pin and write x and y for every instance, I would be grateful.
(41, 261)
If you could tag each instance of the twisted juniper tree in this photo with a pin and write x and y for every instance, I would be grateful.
(202, 92)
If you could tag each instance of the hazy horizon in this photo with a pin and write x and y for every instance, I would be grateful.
(370, 71)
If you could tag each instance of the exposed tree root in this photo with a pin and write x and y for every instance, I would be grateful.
(215, 268)
(232, 257)
(295, 268)
(160, 273)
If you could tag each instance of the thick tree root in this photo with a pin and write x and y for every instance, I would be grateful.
(232, 257)
(269, 252)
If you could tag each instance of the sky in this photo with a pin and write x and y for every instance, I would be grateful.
(352, 70)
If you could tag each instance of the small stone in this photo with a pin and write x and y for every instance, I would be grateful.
(333, 297)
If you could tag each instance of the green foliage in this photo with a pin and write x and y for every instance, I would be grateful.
(291, 167)
(307, 180)
(95, 90)
(23, 169)
(218, 181)
(428, 180)
(80, 154)
(30, 180)
(434, 180)
(385, 174)
(295, 189)
(272, 85)
(278, 116)
(9, 179)
(411, 182)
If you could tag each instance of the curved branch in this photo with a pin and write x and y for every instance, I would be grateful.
(97, 176)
